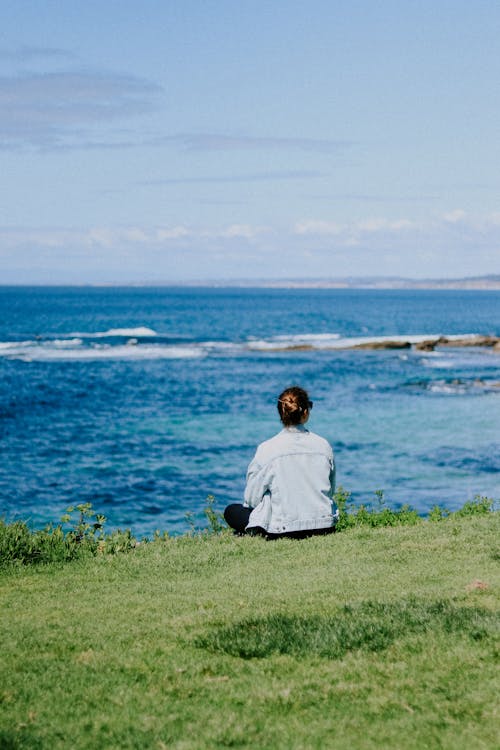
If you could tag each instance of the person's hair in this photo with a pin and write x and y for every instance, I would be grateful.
(292, 404)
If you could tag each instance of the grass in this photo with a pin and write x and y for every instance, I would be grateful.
(371, 638)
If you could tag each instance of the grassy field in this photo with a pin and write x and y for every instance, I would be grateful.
(370, 638)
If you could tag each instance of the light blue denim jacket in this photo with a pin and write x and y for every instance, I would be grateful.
(291, 482)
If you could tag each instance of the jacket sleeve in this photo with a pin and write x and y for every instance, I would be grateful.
(256, 486)
(332, 477)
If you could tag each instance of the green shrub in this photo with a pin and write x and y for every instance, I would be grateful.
(85, 536)
(479, 506)
(375, 515)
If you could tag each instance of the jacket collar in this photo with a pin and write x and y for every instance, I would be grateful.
(296, 428)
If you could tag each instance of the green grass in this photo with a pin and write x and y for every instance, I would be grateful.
(370, 638)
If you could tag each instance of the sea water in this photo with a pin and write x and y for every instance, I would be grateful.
(143, 401)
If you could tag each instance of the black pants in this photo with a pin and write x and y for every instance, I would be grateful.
(237, 517)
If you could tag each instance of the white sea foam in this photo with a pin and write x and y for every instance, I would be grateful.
(312, 340)
(64, 343)
(38, 352)
(451, 389)
(138, 332)
(7, 345)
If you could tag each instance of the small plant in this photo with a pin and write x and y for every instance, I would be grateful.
(342, 501)
(437, 513)
(88, 527)
(216, 523)
(189, 517)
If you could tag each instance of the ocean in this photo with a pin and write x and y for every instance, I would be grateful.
(143, 401)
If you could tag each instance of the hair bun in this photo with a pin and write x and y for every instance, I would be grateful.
(292, 403)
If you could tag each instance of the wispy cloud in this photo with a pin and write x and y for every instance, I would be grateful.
(30, 54)
(290, 174)
(223, 142)
(59, 109)
(372, 198)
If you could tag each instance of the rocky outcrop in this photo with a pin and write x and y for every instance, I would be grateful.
(382, 345)
(430, 344)
(427, 345)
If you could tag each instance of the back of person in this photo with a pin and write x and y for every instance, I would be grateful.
(291, 479)
(289, 482)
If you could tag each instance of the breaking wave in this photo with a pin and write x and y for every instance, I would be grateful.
(142, 342)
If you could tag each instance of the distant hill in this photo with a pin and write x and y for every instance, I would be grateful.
(353, 282)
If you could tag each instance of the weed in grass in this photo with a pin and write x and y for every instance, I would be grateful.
(437, 513)
(369, 626)
(216, 522)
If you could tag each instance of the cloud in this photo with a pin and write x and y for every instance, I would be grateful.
(222, 142)
(297, 174)
(59, 109)
(117, 237)
(29, 54)
(383, 225)
(380, 246)
(453, 217)
(351, 231)
(238, 231)
(317, 227)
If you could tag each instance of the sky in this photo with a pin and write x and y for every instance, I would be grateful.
(198, 140)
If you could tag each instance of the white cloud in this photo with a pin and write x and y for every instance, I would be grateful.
(317, 227)
(116, 237)
(174, 233)
(382, 225)
(435, 248)
(350, 232)
(453, 217)
(242, 231)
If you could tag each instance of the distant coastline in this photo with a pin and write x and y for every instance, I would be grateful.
(475, 283)
(384, 282)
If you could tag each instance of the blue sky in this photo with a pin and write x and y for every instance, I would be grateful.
(169, 141)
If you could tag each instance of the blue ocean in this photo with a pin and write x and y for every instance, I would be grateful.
(143, 401)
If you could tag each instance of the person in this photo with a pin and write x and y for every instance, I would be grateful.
(290, 481)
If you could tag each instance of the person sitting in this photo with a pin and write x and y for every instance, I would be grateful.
(290, 481)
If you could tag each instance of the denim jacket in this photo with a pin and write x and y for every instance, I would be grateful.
(290, 483)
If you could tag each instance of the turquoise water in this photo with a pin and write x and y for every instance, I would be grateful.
(142, 401)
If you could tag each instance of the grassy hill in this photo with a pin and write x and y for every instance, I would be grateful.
(370, 638)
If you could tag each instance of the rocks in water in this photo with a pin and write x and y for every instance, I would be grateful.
(430, 344)
(383, 345)
(426, 346)
(469, 341)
